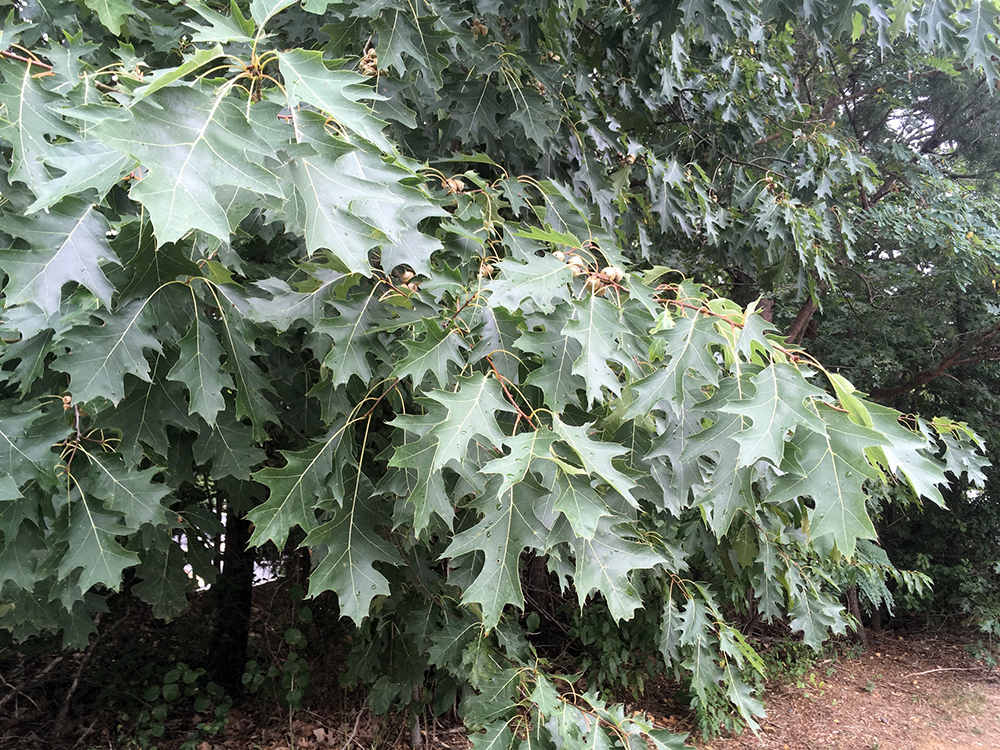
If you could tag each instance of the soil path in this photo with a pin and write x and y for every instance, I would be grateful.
(905, 693)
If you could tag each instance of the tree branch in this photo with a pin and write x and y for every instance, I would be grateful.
(798, 327)
(981, 348)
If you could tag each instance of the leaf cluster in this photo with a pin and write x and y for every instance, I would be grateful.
(356, 270)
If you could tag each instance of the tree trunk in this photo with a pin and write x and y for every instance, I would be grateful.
(854, 608)
(232, 599)
(798, 327)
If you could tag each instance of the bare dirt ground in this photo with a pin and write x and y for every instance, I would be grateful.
(913, 693)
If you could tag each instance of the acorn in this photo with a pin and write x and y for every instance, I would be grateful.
(593, 285)
(369, 63)
(406, 276)
(413, 286)
(559, 255)
(614, 274)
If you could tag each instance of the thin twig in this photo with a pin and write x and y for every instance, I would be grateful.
(29, 682)
(59, 728)
(22, 58)
(942, 669)
(503, 384)
(354, 731)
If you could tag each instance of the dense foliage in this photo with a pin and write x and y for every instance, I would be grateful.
(357, 273)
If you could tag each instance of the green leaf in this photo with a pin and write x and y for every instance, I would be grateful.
(26, 440)
(113, 13)
(32, 356)
(228, 448)
(338, 93)
(767, 586)
(324, 193)
(543, 282)
(234, 27)
(741, 696)
(193, 141)
(199, 59)
(129, 491)
(691, 343)
(263, 11)
(66, 244)
(604, 564)
(199, 368)
(815, 618)
(549, 235)
(495, 736)
(596, 456)
(288, 306)
(296, 489)
(90, 532)
(508, 527)
(403, 32)
(145, 412)
(727, 491)
(86, 166)
(554, 377)
(30, 119)
(696, 633)
(21, 548)
(563, 722)
(101, 352)
(423, 487)
(832, 470)
(908, 454)
(977, 26)
(582, 505)
(354, 339)
(353, 545)
(670, 634)
(238, 339)
(472, 410)
(780, 401)
(435, 353)
(151, 267)
(162, 581)
(601, 330)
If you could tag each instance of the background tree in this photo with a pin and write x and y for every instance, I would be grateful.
(911, 317)
(357, 271)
